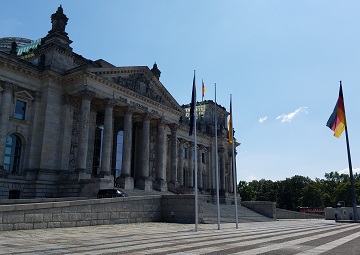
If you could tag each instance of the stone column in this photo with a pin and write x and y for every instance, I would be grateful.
(160, 182)
(200, 177)
(173, 141)
(65, 135)
(4, 118)
(222, 171)
(107, 138)
(84, 134)
(191, 166)
(212, 165)
(181, 162)
(211, 170)
(36, 135)
(231, 173)
(144, 182)
(126, 181)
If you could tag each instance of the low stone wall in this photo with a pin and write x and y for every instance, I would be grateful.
(265, 208)
(165, 208)
(286, 214)
(180, 208)
(342, 213)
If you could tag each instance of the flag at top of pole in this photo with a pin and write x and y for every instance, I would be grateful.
(203, 90)
(192, 107)
(337, 123)
(230, 125)
(337, 120)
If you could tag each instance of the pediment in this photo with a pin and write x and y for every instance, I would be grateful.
(139, 80)
(139, 83)
(24, 95)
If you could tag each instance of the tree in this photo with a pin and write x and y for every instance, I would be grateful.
(312, 195)
(299, 191)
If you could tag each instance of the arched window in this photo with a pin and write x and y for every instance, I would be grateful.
(12, 154)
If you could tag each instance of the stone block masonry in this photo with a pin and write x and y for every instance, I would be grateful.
(87, 212)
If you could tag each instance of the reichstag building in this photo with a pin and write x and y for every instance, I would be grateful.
(70, 126)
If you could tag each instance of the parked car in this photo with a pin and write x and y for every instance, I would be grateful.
(109, 193)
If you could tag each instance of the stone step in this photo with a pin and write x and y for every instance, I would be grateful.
(227, 214)
(209, 209)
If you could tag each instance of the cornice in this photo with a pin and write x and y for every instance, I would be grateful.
(23, 68)
(51, 75)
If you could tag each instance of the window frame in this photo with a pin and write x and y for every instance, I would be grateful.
(25, 97)
(20, 116)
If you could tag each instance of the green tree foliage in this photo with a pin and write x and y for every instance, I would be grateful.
(299, 191)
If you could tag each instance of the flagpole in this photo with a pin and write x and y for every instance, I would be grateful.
(234, 168)
(202, 90)
(217, 167)
(350, 171)
(351, 176)
(195, 162)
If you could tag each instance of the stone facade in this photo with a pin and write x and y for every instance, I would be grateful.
(70, 126)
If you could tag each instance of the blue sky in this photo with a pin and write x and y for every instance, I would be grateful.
(282, 61)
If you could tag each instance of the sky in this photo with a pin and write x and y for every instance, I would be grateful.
(281, 60)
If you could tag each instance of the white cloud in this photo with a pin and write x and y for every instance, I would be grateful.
(261, 120)
(346, 171)
(290, 116)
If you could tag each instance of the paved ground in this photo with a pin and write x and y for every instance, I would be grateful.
(276, 237)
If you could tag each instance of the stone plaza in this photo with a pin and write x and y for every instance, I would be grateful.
(308, 237)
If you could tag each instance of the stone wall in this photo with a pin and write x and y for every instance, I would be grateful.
(343, 213)
(75, 213)
(180, 208)
(269, 209)
(286, 214)
(265, 208)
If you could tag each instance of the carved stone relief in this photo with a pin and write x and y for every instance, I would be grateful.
(140, 84)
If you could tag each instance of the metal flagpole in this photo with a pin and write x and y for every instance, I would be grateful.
(350, 168)
(195, 162)
(351, 177)
(217, 167)
(234, 168)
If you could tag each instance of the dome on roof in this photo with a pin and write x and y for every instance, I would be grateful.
(5, 43)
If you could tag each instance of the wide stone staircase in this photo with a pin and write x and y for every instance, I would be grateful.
(227, 214)
(209, 209)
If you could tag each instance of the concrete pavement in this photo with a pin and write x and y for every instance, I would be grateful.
(274, 237)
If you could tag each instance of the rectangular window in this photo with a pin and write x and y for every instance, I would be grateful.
(185, 153)
(20, 109)
(203, 157)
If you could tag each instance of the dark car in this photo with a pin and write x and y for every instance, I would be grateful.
(109, 193)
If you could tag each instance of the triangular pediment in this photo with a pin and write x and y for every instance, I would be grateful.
(24, 95)
(140, 80)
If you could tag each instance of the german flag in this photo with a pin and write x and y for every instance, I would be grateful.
(337, 120)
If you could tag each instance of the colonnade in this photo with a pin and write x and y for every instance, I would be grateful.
(177, 160)
(178, 163)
